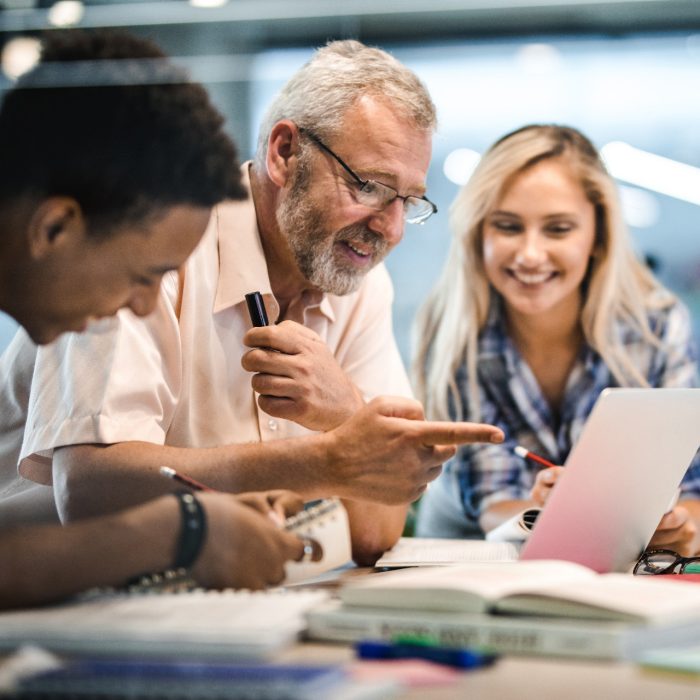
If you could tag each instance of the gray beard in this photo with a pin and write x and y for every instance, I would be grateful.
(313, 247)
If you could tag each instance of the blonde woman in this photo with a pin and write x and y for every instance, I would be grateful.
(542, 304)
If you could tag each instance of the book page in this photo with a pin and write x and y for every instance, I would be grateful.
(460, 588)
(422, 551)
(648, 599)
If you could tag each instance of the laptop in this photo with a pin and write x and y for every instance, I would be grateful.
(619, 478)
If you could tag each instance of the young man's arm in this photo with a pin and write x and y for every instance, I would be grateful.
(385, 454)
(50, 562)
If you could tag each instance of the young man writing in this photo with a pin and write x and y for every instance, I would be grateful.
(102, 190)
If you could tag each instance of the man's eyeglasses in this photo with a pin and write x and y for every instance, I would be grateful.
(378, 196)
(666, 561)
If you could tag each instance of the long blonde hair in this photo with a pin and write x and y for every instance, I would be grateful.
(619, 287)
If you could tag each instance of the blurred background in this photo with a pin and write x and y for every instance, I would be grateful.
(625, 72)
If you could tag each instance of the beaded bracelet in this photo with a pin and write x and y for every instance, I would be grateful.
(168, 581)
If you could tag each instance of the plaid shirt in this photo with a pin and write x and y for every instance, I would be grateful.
(512, 399)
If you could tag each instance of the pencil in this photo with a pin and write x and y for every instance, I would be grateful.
(195, 485)
(184, 479)
(526, 454)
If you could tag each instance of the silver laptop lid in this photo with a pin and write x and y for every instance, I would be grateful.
(619, 479)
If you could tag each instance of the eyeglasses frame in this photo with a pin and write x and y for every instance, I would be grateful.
(362, 183)
(683, 561)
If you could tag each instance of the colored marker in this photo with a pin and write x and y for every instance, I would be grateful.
(449, 656)
(526, 454)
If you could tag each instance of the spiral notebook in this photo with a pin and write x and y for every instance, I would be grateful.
(326, 522)
(205, 625)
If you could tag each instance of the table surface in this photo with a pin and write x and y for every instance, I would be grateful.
(520, 677)
(538, 678)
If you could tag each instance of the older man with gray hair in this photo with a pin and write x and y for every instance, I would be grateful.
(340, 168)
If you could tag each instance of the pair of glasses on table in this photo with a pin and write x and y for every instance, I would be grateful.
(665, 561)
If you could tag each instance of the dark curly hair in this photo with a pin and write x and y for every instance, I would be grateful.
(107, 119)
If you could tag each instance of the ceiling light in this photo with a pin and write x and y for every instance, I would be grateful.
(460, 164)
(640, 208)
(66, 13)
(539, 58)
(208, 3)
(654, 172)
(20, 55)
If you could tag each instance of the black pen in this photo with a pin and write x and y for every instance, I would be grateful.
(256, 309)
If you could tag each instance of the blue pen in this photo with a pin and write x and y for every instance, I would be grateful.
(449, 656)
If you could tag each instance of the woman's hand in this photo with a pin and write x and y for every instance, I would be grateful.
(676, 531)
(544, 481)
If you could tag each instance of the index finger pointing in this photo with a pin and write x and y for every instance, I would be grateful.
(446, 433)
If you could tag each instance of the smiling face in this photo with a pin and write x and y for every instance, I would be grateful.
(85, 277)
(333, 238)
(538, 240)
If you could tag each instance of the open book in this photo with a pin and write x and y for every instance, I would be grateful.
(542, 588)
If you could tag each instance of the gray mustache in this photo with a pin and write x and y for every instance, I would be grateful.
(363, 235)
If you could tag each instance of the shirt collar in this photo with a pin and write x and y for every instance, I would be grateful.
(239, 238)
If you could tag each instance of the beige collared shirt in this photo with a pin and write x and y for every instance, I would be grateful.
(175, 377)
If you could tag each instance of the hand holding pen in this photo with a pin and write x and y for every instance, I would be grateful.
(256, 309)
(544, 479)
(277, 505)
(295, 373)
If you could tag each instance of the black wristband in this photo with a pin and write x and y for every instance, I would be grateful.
(193, 530)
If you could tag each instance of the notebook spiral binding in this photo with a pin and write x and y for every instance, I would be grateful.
(311, 513)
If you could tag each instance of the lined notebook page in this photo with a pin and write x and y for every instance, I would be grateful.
(423, 551)
(199, 624)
